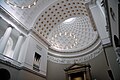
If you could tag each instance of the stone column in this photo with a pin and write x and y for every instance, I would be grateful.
(85, 76)
(5, 39)
(18, 47)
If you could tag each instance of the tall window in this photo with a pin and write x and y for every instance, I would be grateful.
(36, 62)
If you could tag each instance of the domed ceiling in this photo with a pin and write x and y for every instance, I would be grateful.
(69, 29)
(73, 35)
(67, 26)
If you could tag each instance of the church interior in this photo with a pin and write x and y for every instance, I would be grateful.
(59, 39)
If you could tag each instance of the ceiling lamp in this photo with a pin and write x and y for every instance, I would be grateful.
(14, 4)
(67, 40)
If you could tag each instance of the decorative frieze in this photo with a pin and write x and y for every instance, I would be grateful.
(78, 59)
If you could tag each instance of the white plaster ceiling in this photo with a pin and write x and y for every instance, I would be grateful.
(4, 25)
(25, 16)
(73, 36)
(47, 20)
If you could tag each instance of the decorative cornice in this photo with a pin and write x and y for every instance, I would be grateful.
(5, 15)
(78, 59)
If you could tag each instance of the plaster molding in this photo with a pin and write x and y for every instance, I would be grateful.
(78, 59)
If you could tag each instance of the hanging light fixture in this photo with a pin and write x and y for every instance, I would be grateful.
(11, 3)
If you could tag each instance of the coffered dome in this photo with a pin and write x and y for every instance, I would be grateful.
(73, 34)
(69, 29)
(67, 26)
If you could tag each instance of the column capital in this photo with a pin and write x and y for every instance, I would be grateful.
(10, 26)
(21, 34)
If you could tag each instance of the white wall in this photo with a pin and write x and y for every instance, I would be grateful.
(114, 28)
(114, 23)
(28, 50)
(98, 69)
(100, 22)
(112, 62)
(20, 74)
